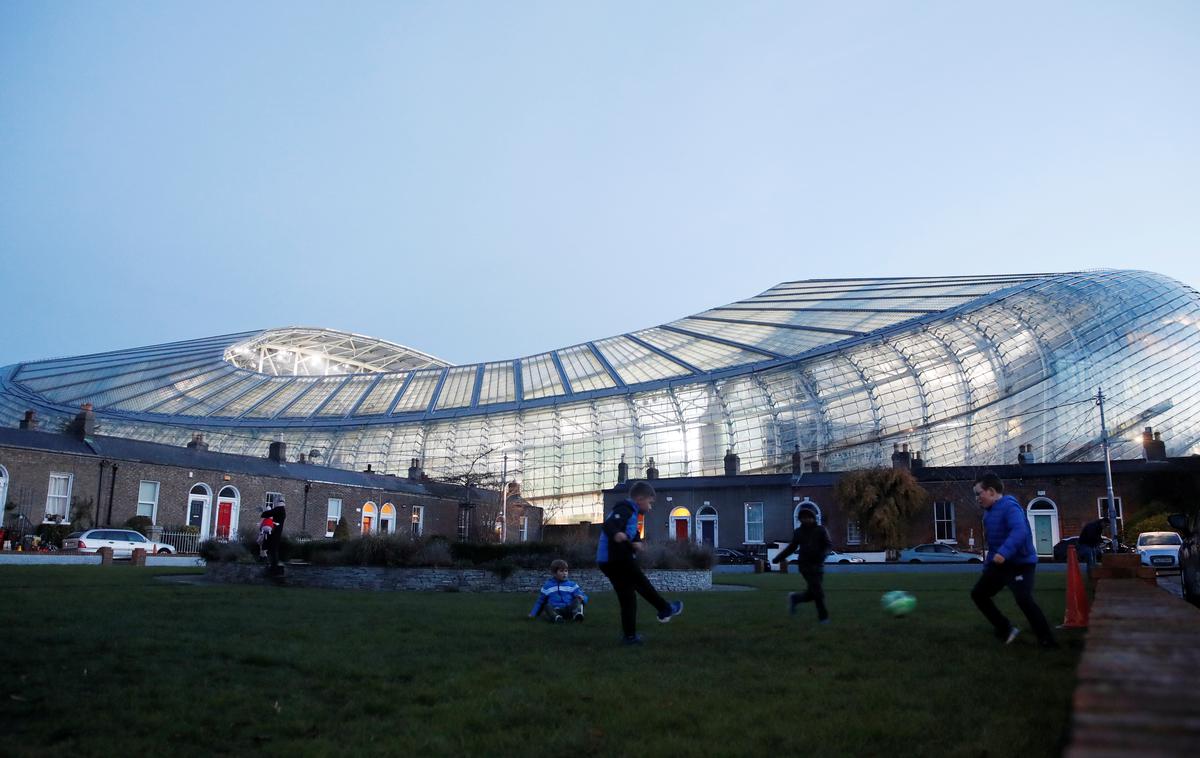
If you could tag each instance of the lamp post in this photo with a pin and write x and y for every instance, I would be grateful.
(1112, 503)
(504, 500)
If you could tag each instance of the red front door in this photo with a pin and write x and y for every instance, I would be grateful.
(681, 530)
(224, 518)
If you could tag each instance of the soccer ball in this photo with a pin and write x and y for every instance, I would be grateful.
(898, 602)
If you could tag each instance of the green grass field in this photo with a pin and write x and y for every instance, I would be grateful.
(113, 661)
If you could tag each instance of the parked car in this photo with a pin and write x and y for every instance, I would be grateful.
(1060, 548)
(1159, 549)
(122, 541)
(1189, 554)
(937, 553)
(836, 556)
(728, 555)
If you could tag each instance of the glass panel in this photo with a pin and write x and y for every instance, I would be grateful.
(347, 395)
(177, 386)
(210, 403)
(539, 377)
(380, 398)
(243, 403)
(420, 390)
(701, 353)
(177, 404)
(457, 390)
(584, 370)
(312, 399)
(636, 363)
(281, 399)
(776, 339)
(497, 384)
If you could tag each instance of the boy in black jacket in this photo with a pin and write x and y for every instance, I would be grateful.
(813, 543)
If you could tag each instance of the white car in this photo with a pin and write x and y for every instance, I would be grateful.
(1159, 549)
(836, 557)
(122, 541)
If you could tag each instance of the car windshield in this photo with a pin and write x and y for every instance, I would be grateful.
(74, 535)
(1159, 539)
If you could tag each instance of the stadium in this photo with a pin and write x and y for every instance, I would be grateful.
(966, 369)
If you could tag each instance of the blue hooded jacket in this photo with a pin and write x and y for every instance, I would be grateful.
(623, 518)
(1008, 532)
(558, 595)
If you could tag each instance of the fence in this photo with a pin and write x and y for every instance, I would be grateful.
(183, 542)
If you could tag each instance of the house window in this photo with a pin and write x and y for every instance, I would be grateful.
(853, 533)
(1102, 511)
(273, 499)
(754, 523)
(524, 529)
(418, 520)
(333, 514)
(464, 522)
(3, 487)
(368, 518)
(148, 500)
(943, 522)
(58, 497)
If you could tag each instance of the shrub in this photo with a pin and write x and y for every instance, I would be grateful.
(218, 551)
(140, 524)
(54, 533)
(341, 532)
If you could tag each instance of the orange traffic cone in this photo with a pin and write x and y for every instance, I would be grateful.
(1077, 602)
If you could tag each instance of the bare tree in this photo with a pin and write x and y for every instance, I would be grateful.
(475, 478)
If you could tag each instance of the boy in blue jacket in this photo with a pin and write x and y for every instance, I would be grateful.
(616, 556)
(559, 598)
(1011, 561)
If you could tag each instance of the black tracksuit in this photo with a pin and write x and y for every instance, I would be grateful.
(811, 543)
(278, 514)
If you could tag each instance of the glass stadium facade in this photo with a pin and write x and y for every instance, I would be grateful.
(963, 369)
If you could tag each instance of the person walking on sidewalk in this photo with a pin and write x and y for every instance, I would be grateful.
(1011, 562)
(616, 556)
(812, 542)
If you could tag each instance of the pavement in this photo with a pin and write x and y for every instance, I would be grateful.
(891, 568)
(67, 559)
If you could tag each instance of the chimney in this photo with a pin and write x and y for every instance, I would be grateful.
(917, 463)
(1026, 455)
(83, 425)
(797, 461)
(30, 422)
(368, 470)
(414, 470)
(901, 458)
(277, 452)
(651, 471)
(731, 463)
(303, 459)
(814, 467)
(197, 442)
(622, 470)
(1153, 448)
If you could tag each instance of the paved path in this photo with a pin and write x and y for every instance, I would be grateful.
(1138, 694)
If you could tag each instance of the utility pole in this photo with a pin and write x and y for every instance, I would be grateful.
(504, 500)
(1112, 503)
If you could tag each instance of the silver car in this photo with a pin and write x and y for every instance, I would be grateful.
(937, 553)
(122, 541)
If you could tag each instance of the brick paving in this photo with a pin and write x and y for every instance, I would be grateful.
(1138, 692)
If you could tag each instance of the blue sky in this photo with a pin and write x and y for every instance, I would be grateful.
(485, 180)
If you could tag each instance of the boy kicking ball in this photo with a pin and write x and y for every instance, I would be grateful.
(616, 556)
(813, 543)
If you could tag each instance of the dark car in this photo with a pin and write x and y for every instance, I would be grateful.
(1060, 549)
(1189, 554)
(728, 555)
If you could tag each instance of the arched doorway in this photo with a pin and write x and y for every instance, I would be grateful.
(681, 524)
(706, 526)
(805, 505)
(228, 504)
(199, 508)
(1043, 522)
(387, 519)
(368, 518)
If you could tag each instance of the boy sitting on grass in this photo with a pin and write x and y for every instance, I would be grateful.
(559, 597)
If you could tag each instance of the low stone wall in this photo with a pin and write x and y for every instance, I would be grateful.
(442, 579)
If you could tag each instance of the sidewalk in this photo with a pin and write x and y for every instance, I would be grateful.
(1138, 693)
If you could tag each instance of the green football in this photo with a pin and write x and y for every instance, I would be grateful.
(898, 602)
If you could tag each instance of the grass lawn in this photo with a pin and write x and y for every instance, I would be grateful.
(113, 661)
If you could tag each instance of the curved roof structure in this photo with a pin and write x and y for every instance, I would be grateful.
(965, 369)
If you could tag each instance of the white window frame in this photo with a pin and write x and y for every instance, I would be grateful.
(66, 515)
(332, 513)
(805, 504)
(418, 518)
(761, 522)
(273, 498)
(854, 535)
(3, 488)
(152, 503)
(524, 529)
(706, 514)
(1102, 511)
(953, 539)
(390, 521)
(369, 510)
